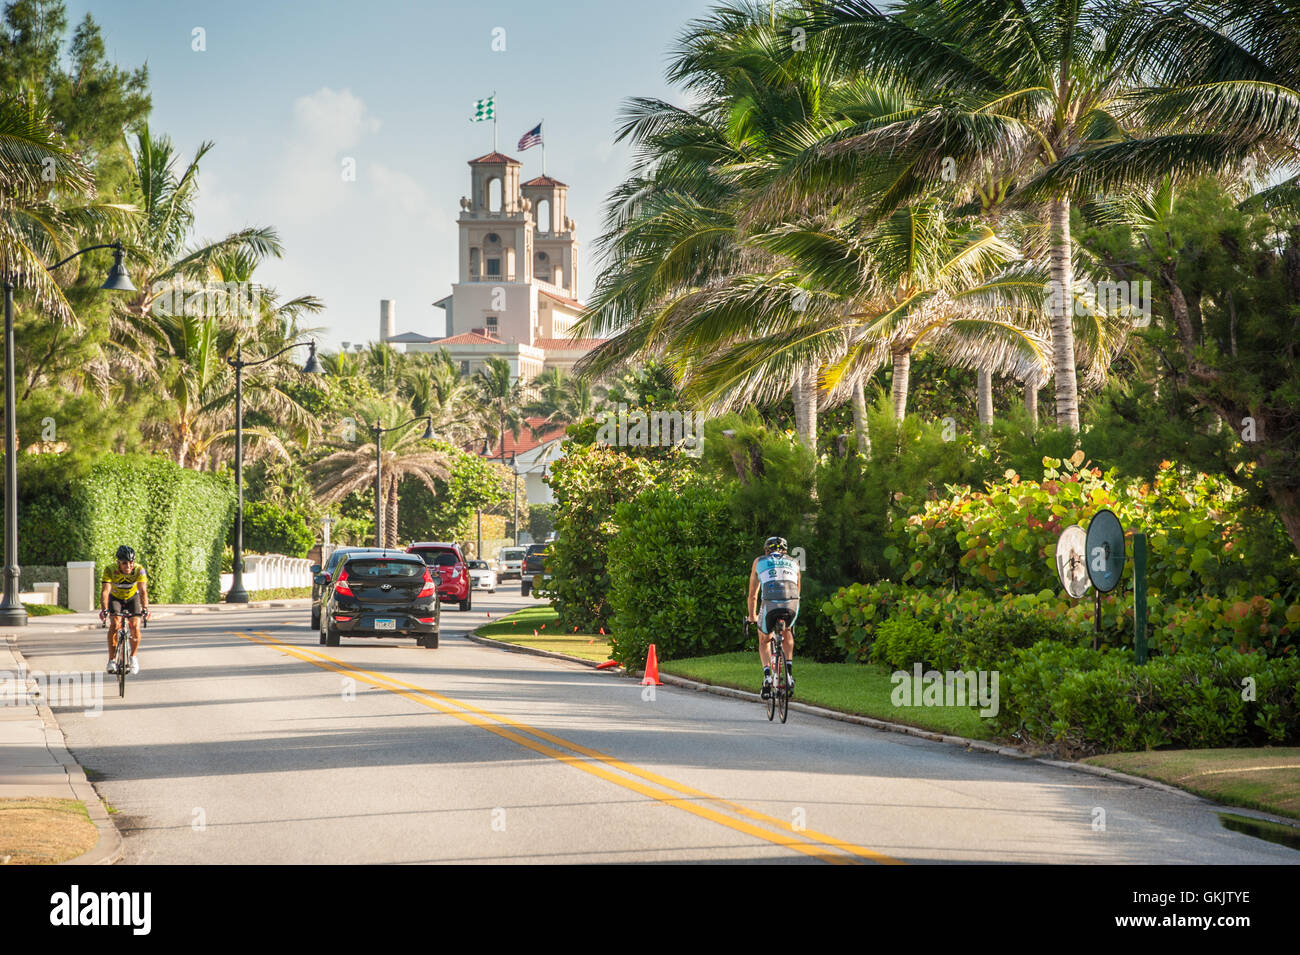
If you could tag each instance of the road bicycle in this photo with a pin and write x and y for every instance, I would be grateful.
(123, 645)
(778, 701)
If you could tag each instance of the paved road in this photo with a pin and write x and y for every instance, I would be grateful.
(243, 740)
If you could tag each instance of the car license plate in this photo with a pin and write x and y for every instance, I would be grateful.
(381, 624)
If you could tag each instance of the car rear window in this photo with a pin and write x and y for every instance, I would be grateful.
(439, 558)
(384, 567)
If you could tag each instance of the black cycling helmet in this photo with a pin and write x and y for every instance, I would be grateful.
(773, 544)
(125, 553)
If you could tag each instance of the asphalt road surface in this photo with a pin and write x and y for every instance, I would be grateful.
(245, 741)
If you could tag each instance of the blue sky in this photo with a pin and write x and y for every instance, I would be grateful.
(287, 91)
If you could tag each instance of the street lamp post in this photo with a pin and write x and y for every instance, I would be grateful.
(12, 612)
(379, 431)
(237, 594)
(513, 455)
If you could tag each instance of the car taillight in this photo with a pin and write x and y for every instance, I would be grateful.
(425, 619)
(429, 586)
(342, 586)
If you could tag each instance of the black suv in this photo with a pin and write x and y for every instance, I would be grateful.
(533, 570)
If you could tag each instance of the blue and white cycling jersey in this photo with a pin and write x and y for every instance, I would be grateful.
(778, 577)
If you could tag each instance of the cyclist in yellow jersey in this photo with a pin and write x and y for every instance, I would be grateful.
(125, 590)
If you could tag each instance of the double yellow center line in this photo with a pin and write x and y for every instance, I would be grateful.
(657, 787)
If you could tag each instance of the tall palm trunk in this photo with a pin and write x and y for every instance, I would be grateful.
(902, 371)
(984, 385)
(390, 514)
(860, 426)
(805, 406)
(1067, 386)
(1031, 400)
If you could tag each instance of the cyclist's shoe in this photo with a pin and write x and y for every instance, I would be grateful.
(112, 665)
(767, 685)
(789, 683)
(135, 665)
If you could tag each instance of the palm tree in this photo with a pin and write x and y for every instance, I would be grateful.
(165, 267)
(1023, 105)
(351, 468)
(560, 400)
(678, 223)
(501, 401)
(43, 191)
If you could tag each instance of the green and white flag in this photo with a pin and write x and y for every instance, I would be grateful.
(484, 109)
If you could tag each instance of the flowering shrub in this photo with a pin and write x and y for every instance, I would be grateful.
(1201, 540)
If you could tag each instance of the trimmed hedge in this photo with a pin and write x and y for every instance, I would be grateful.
(176, 519)
(1080, 701)
(272, 529)
(678, 572)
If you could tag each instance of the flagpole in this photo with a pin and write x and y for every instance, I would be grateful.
(542, 137)
(494, 120)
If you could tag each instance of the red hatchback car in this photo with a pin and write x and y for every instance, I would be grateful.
(448, 562)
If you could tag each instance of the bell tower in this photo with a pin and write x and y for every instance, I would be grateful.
(555, 255)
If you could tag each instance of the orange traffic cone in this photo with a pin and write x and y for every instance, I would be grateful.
(651, 677)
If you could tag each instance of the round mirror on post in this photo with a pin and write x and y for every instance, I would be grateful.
(1104, 545)
(1071, 561)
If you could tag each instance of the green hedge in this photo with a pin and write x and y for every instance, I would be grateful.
(176, 519)
(678, 572)
(1080, 701)
(272, 529)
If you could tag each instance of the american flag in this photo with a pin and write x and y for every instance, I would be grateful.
(531, 138)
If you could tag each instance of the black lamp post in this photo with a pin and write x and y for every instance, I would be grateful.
(378, 431)
(237, 593)
(513, 470)
(12, 612)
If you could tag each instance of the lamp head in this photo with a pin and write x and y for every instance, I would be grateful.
(118, 280)
(313, 366)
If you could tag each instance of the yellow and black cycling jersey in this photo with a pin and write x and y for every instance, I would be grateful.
(124, 586)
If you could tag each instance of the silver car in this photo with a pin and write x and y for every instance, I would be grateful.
(510, 562)
(481, 576)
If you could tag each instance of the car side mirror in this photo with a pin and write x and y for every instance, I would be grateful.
(315, 568)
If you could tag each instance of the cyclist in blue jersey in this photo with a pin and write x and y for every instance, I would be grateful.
(775, 579)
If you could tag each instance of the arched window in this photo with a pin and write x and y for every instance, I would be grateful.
(544, 215)
(494, 194)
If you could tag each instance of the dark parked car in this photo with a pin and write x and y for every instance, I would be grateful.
(381, 594)
(321, 577)
(453, 573)
(534, 568)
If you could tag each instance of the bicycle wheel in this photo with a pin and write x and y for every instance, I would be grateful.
(771, 695)
(780, 693)
(123, 661)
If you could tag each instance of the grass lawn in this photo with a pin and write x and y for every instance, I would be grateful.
(863, 689)
(1265, 778)
(44, 610)
(518, 629)
(44, 831)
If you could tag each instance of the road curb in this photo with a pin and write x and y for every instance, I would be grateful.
(886, 726)
(109, 849)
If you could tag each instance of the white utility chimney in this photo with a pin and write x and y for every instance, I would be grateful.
(387, 319)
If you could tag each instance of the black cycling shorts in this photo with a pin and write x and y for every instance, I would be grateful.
(117, 606)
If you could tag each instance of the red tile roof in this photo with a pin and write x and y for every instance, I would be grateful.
(545, 181)
(470, 338)
(495, 159)
(524, 443)
(572, 302)
(566, 344)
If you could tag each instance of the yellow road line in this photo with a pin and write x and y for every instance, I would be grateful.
(480, 717)
(421, 696)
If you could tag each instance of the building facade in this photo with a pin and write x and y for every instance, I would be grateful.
(516, 294)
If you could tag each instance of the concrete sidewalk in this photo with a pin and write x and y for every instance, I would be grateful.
(34, 757)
